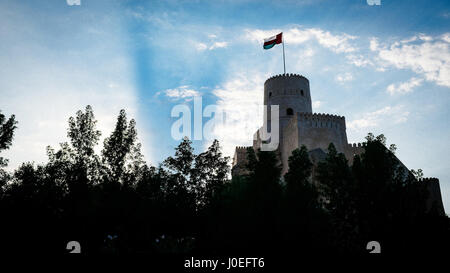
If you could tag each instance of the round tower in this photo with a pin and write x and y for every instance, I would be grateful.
(291, 93)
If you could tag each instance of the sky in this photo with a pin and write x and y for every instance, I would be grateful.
(386, 68)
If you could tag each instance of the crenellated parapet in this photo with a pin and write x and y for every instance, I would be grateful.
(319, 120)
(353, 149)
(428, 180)
(240, 154)
(288, 75)
(357, 145)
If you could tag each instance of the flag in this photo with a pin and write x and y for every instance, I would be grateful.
(270, 42)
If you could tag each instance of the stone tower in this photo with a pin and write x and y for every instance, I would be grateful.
(298, 126)
(291, 93)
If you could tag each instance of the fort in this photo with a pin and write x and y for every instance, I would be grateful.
(298, 126)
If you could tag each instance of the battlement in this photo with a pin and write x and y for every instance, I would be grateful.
(239, 160)
(242, 148)
(357, 145)
(286, 76)
(353, 149)
(240, 154)
(434, 199)
(428, 180)
(320, 120)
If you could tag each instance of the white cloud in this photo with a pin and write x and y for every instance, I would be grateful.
(358, 60)
(422, 54)
(404, 87)
(424, 37)
(181, 92)
(344, 77)
(309, 52)
(316, 104)
(446, 37)
(218, 45)
(339, 43)
(373, 44)
(201, 46)
(240, 99)
(383, 116)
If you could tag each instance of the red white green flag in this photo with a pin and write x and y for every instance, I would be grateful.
(272, 41)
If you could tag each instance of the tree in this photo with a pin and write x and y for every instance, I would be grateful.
(376, 198)
(210, 173)
(300, 168)
(390, 201)
(180, 199)
(84, 137)
(117, 203)
(183, 160)
(122, 157)
(31, 211)
(7, 128)
(76, 168)
(180, 168)
(338, 190)
(263, 200)
(264, 168)
(300, 191)
(336, 183)
(83, 134)
(305, 224)
(264, 180)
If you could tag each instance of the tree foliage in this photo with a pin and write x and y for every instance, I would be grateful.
(114, 202)
(7, 128)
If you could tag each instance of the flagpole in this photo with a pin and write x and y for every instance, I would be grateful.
(284, 62)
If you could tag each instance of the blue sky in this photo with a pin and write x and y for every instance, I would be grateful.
(385, 68)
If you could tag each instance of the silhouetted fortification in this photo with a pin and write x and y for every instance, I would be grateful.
(298, 126)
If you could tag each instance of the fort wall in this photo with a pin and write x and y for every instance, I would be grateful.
(314, 131)
(434, 198)
(319, 130)
(240, 161)
(289, 142)
(353, 149)
(291, 93)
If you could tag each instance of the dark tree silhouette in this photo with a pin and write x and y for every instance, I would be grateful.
(210, 173)
(116, 203)
(7, 128)
(121, 155)
(338, 188)
(305, 224)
